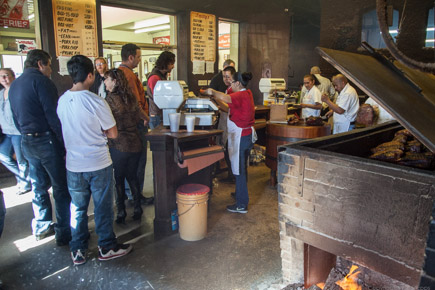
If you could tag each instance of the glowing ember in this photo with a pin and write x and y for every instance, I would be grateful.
(350, 281)
(320, 285)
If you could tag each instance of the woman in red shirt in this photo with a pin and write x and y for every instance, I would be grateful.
(241, 133)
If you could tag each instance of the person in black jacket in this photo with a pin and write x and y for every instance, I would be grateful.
(98, 86)
(217, 82)
(33, 98)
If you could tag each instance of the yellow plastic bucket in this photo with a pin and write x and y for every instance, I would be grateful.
(192, 202)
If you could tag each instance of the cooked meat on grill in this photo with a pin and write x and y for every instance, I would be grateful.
(404, 132)
(389, 146)
(418, 160)
(401, 138)
(388, 155)
(293, 119)
(414, 146)
(314, 121)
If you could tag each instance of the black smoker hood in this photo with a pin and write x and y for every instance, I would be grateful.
(408, 96)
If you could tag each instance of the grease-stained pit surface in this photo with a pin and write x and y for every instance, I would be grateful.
(240, 251)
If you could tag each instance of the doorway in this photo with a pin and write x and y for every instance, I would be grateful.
(228, 43)
(152, 32)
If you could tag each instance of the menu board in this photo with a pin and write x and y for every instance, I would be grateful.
(75, 27)
(203, 36)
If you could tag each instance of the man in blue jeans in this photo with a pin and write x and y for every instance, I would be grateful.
(87, 122)
(33, 98)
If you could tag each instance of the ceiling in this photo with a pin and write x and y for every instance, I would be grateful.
(123, 19)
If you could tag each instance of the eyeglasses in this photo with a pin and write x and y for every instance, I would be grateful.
(4, 76)
(100, 64)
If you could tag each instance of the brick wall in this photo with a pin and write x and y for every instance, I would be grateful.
(377, 217)
(428, 276)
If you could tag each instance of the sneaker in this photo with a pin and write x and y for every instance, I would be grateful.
(118, 251)
(78, 257)
(23, 191)
(238, 209)
(48, 232)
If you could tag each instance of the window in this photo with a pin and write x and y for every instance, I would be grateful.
(228, 43)
(430, 29)
(152, 32)
(18, 34)
(371, 32)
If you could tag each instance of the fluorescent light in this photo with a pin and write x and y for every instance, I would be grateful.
(393, 31)
(430, 29)
(430, 40)
(152, 22)
(154, 28)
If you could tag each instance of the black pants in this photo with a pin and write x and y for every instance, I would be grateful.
(125, 166)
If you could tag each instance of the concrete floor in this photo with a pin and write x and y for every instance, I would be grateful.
(239, 251)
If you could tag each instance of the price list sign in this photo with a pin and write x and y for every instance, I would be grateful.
(203, 36)
(75, 25)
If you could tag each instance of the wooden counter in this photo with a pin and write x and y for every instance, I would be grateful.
(280, 134)
(168, 176)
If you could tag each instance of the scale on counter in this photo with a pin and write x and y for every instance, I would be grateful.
(173, 97)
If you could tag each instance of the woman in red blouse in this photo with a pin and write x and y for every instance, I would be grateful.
(241, 133)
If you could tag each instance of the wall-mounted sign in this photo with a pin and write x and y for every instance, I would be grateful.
(202, 34)
(14, 13)
(166, 40)
(75, 27)
(224, 41)
(25, 45)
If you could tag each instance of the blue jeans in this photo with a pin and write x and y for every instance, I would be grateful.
(20, 168)
(47, 168)
(155, 121)
(99, 185)
(2, 212)
(242, 196)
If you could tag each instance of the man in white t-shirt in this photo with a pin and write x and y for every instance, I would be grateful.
(87, 122)
(311, 102)
(346, 106)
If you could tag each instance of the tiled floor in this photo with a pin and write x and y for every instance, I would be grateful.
(239, 251)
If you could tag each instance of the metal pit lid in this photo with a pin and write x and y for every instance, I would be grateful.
(413, 105)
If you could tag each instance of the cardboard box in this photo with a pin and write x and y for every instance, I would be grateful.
(278, 113)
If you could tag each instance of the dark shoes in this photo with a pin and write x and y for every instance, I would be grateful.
(48, 232)
(146, 200)
(137, 214)
(78, 257)
(118, 251)
(62, 242)
(120, 217)
(23, 191)
(237, 209)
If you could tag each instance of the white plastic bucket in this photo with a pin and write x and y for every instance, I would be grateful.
(192, 202)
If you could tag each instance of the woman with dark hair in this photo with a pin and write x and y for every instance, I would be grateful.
(241, 133)
(164, 65)
(98, 87)
(126, 149)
